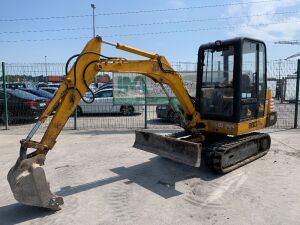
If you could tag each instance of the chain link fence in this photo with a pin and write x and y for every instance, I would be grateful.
(146, 105)
(282, 78)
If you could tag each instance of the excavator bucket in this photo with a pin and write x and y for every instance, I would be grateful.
(178, 150)
(28, 183)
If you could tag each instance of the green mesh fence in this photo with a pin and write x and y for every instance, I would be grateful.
(135, 89)
(142, 94)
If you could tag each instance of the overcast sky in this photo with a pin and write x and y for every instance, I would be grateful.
(32, 29)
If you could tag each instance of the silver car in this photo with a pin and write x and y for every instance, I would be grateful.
(104, 103)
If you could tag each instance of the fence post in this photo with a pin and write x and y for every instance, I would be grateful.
(5, 97)
(145, 92)
(297, 96)
(75, 118)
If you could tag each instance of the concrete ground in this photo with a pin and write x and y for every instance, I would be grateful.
(105, 181)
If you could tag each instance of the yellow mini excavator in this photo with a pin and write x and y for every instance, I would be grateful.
(232, 101)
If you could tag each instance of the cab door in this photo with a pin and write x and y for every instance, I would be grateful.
(253, 80)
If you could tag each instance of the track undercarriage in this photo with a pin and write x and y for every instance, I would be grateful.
(223, 154)
(231, 153)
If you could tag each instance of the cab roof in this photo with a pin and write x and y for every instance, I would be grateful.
(232, 41)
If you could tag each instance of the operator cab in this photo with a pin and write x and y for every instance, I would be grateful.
(231, 79)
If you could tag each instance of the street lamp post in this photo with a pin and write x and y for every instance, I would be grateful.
(94, 31)
(280, 61)
(46, 67)
(93, 7)
(279, 85)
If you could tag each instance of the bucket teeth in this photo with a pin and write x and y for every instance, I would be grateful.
(28, 183)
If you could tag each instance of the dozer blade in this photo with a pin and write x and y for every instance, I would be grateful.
(182, 151)
(28, 183)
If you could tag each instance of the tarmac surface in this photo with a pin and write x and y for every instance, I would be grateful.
(104, 180)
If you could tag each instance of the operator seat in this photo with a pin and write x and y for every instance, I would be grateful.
(245, 87)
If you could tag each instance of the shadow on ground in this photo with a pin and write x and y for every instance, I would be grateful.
(158, 175)
(18, 213)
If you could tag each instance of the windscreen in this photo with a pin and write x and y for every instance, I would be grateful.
(218, 67)
(217, 82)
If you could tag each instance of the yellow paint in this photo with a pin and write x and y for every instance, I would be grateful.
(155, 67)
(68, 99)
(236, 128)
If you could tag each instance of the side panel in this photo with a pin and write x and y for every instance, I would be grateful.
(230, 128)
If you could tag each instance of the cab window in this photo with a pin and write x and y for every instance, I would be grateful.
(253, 80)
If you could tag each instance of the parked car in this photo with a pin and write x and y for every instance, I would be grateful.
(51, 90)
(47, 84)
(166, 112)
(106, 85)
(39, 93)
(93, 88)
(22, 105)
(16, 85)
(103, 103)
(41, 84)
(56, 85)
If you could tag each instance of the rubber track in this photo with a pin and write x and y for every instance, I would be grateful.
(215, 152)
